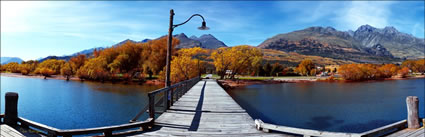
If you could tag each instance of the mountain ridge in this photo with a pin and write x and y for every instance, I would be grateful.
(366, 44)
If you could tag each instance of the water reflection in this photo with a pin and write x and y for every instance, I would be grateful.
(74, 104)
(335, 106)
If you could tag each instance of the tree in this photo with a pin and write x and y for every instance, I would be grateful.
(238, 59)
(267, 69)
(388, 70)
(305, 67)
(221, 60)
(403, 72)
(187, 64)
(94, 69)
(25, 69)
(411, 64)
(46, 72)
(420, 66)
(52, 64)
(276, 69)
(66, 70)
(77, 62)
(12, 67)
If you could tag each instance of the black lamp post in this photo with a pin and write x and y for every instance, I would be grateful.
(170, 39)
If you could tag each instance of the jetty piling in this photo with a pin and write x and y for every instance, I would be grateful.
(11, 108)
(412, 112)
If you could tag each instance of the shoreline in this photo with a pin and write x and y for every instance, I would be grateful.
(73, 78)
(231, 84)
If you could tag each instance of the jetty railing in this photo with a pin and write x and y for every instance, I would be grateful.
(156, 97)
(165, 97)
(412, 122)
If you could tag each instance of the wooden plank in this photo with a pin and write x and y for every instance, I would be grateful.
(8, 131)
(211, 112)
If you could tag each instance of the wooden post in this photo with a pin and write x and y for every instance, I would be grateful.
(412, 112)
(11, 108)
(151, 105)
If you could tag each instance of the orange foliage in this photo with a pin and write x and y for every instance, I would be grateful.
(367, 71)
(306, 67)
(403, 72)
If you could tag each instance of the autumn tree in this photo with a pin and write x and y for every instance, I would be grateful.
(388, 70)
(52, 64)
(420, 66)
(306, 68)
(25, 69)
(222, 60)
(155, 55)
(403, 72)
(267, 69)
(238, 59)
(12, 67)
(187, 64)
(46, 72)
(411, 64)
(94, 69)
(77, 62)
(66, 70)
(276, 69)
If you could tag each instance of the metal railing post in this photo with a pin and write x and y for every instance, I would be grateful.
(152, 106)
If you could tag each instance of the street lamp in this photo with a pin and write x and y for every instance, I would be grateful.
(170, 39)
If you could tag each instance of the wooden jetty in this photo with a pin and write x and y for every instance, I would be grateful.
(205, 110)
(196, 107)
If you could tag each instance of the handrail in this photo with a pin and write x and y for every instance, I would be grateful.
(385, 129)
(106, 130)
(169, 98)
(260, 125)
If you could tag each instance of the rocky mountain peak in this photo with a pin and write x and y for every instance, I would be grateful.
(366, 28)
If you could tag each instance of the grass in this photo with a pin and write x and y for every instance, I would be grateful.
(281, 77)
(214, 76)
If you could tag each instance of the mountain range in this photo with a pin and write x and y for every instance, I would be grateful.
(5, 60)
(367, 44)
(206, 41)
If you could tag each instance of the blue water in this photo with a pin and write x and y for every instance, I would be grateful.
(74, 104)
(344, 107)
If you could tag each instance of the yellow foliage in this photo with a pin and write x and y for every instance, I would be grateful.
(52, 64)
(306, 67)
(187, 64)
(238, 59)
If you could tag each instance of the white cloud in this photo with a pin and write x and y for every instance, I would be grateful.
(376, 13)
(77, 19)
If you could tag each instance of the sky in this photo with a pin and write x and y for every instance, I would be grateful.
(35, 29)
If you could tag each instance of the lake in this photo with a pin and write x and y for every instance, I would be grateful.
(74, 104)
(344, 107)
(332, 106)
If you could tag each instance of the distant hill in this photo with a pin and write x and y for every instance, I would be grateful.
(293, 59)
(5, 60)
(207, 41)
(366, 44)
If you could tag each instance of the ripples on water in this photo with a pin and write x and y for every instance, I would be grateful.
(343, 107)
(74, 104)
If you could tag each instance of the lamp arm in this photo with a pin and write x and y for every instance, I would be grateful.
(174, 26)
